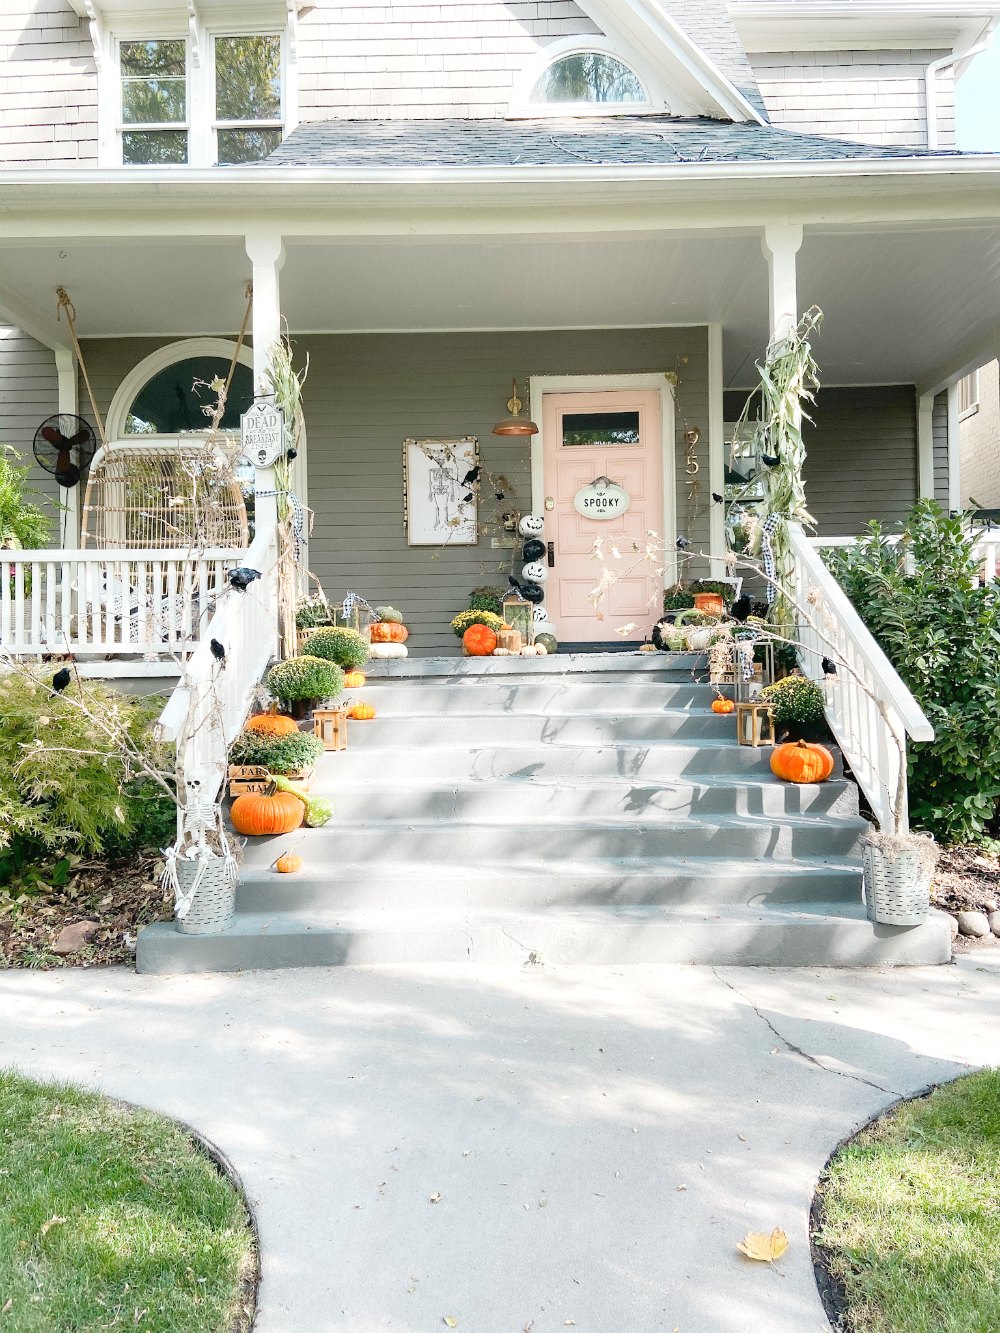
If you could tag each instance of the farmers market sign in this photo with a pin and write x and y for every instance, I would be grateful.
(601, 499)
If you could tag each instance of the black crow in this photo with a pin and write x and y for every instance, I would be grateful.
(471, 477)
(741, 608)
(770, 460)
(829, 668)
(218, 651)
(717, 497)
(61, 679)
(242, 577)
(683, 544)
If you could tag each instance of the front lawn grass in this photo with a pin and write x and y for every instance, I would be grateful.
(111, 1218)
(910, 1215)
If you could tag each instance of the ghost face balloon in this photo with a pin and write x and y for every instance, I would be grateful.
(539, 614)
(532, 549)
(535, 572)
(530, 525)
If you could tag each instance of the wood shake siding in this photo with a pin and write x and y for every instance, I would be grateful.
(875, 97)
(366, 393)
(413, 60)
(29, 393)
(48, 86)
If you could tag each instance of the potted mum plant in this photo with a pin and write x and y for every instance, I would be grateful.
(799, 708)
(303, 682)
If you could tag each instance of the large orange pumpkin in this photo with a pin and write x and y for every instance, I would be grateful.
(353, 680)
(801, 761)
(479, 641)
(387, 631)
(272, 724)
(260, 815)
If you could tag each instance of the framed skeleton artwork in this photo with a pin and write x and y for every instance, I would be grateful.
(440, 492)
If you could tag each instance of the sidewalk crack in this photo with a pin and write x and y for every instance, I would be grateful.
(797, 1050)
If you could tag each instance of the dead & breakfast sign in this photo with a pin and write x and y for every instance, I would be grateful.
(262, 433)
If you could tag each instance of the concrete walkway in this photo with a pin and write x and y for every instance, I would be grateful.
(529, 1149)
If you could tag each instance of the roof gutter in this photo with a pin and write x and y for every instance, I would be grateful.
(982, 43)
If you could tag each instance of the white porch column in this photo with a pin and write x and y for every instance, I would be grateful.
(781, 243)
(925, 446)
(716, 452)
(67, 391)
(266, 252)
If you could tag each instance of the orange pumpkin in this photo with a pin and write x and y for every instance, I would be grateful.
(272, 724)
(722, 705)
(263, 814)
(801, 761)
(353, 680)
(362, 712)
(288, 864)
(387, 631)
(479, 641)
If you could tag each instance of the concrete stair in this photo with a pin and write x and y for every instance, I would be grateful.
(582, 809)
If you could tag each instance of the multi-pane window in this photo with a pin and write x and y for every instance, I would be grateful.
(174, 111)
(247, 97)
(154, 102)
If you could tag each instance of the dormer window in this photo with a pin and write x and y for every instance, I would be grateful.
(588, 77)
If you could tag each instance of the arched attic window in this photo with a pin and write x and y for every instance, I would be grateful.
(173, 399)
(588, 77)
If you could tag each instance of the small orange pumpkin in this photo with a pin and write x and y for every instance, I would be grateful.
(720, 704)
(353, 680)
(263, 814)
(387, 631)
(362, 712)
(288, 864)
(272, 724)
(801, 761)
(479, 641)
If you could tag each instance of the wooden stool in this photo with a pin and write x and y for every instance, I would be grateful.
(751, 719)
(330, 725)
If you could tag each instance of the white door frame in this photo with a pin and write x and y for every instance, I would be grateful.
(541, 384)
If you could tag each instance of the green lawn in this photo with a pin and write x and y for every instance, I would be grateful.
(110, 1218)
(911, 1215)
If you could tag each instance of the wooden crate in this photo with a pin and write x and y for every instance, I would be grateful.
(248, 779)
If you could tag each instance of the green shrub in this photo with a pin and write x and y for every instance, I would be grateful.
(312, 613)
(305, 677)
(280, 754)
(487, 599)
(344, 646)
(797, 701)
(942, 634)
(677, 598)
(19, 519)
(466, 618)
(63, 783)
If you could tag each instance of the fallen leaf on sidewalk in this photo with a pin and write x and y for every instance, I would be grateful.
(764, 1249)
(450, 1320)
(435, 1198)
(680, 1188)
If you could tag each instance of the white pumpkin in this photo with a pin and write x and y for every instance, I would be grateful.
(699, 637)
(528, 650)
(502, 652)
(530, 525)
(534, 572)
(541, 650)
(387, 650)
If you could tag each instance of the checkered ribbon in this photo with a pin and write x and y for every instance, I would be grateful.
(767, 530)
(298, 517)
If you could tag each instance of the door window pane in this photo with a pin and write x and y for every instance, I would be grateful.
(154, 148)
(154, 82)
(248, 78)
(589, 76)
(246, 145)
(600, 428)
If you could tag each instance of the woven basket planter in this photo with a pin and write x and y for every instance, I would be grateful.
(213, 908)
(897, 885)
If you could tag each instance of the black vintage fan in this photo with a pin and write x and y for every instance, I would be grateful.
(64, 445)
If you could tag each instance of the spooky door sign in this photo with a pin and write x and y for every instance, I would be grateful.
(602, 499)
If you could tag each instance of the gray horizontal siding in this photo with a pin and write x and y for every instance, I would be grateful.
(939, 423)
(28, 394)
(861, 456)
(366, 393)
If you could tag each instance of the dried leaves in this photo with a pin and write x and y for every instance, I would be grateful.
(764, 1249)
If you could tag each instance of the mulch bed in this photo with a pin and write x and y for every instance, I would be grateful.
(968, 880)
(118, 896)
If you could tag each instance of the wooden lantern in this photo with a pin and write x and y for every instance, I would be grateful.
(519, 614)
(330, 726)
(754, 724)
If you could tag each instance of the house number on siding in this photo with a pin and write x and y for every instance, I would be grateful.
(601, 499)
(262, 433)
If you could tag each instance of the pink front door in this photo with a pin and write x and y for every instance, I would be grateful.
(618, 435)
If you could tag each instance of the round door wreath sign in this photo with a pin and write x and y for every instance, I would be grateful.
(601, 499)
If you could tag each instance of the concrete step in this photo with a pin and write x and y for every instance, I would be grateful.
(526, 728)
(677, 666)
(816, 935)
(524, 799)
(414, 841)
(652, 761)
(567, 695)
(542, 883)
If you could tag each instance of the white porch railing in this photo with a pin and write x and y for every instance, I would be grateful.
(986, 550)
(109, 603)
(207, 709)
(866, 737)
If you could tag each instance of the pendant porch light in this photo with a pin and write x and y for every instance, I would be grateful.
(514, 423)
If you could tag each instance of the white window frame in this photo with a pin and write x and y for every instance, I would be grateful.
(121, 127)
(199, 38)
(968, 395)
(522, 108)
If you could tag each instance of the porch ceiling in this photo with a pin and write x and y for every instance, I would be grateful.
(897, 302)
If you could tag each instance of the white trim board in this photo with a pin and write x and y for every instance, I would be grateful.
(542, 384)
